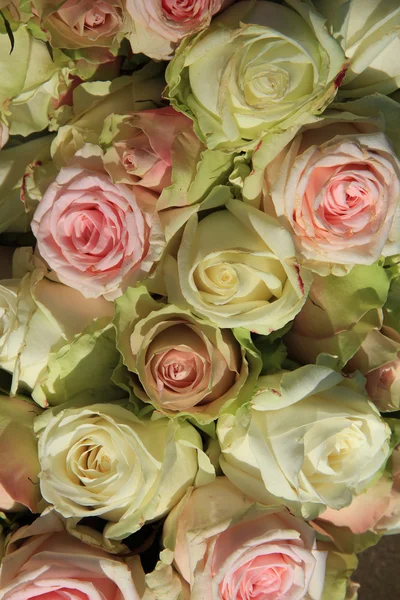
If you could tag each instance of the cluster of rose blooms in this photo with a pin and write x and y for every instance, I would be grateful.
(199, 297)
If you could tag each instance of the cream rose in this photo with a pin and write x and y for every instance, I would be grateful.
(227, 547)
(97, 236)
(4, 133)
(181, 363)
(336, 188)
(309, 438)
(159, 25)
(369, 34)
(19, 467)
(43, 560)
(102, 460)
(237, 268)
(261, 67)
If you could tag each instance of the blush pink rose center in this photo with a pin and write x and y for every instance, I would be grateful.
(269, 576)
(185, 10)
(90, 21)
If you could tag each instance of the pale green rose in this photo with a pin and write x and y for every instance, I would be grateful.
(309, 438)
(180, 363)
(378, 358)
(339, 314)
(369, 34)
(391, 310)
(101, 460)
(32, 82)
(165, 583)
(259, 68)
(339, 569)
(350, 150)
(37, 317)
(94, 101)
(25, 169)
(237, 268)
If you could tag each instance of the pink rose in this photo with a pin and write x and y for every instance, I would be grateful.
(159, 25)
(43, 561)
(19, 465)
(97, 236)
(376, 510)
(336, 188)
(141, 153)
(83, 23)
(228, 548)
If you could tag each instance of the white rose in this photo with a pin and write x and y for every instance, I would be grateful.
(309, 437)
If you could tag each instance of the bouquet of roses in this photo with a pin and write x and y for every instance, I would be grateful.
(199, 297)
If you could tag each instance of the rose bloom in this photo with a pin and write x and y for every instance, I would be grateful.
(310, 438)
(227, 547)
(261, 67)
(376, 510)
(141, 152)
(178, 361)
(19, 467)
(369, 34)
(336, 188)
(82, 23)
(159, 25)
(97, 236)
(43, 561)
(102, 460)
(237, 268)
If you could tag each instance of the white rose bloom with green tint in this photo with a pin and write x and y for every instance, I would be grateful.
(368, 30)
(309, 438)
(101, 460)
(260, 68)
(237, 267)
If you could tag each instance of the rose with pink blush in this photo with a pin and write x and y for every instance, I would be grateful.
(82, 23)
(228, 548)
(97, 236)
(159, 25)
(336, 188)
(141, 151)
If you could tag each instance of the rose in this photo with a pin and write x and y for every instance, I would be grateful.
(159, 25)
(141, 153)
(369, 36)
(125, 469)
(37, 317)
(181, 363)
(80, 24)
(335, 186)
(309, 438)
(19, 467)
(339, 314)
(42, 559)
(225, 546)
(237, 268)
(27, 93)
(94, 101)
(378, 358)
(159, 150)
(97, 236)
(231, 79)
(376, 510)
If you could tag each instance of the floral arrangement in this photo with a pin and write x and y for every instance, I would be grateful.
(199, 297)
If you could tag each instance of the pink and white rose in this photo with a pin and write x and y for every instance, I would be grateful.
(141, 152)
(97, 236)
(159, 25)
(19, 467)
(43, 561)
(377, 510)
(336, 188)
(82, 23)
(227, 547)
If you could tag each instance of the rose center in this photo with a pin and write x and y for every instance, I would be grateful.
(138, 161)
(178, 367)
(222, 276)
(94, 18)
(181, 10)
(348, 441)
(265, 83)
